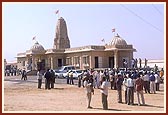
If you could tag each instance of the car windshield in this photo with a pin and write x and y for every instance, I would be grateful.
(79, 71)
(72, 67)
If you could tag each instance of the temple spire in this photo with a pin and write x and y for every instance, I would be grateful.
(61, 40)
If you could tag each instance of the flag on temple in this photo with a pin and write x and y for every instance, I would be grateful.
(34, 38)
(113, 30)
(103, 40)
(57, 12)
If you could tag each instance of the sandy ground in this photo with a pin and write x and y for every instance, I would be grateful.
(23, 96)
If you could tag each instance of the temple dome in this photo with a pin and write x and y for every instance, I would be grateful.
(117, 40)
(37, 47)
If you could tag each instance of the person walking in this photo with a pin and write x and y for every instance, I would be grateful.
(87, 87)
(91, 81)
(39, 78)
(139, 89)
(24, 75)
(104, 93)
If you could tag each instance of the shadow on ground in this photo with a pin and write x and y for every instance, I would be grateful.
(109, 109)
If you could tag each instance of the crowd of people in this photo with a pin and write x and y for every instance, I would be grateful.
(49, 76)
(131, 81)
(13, 71)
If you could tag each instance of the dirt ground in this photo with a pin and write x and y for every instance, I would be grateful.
(23, 96)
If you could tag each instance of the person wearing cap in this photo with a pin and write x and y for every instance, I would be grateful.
(139, 89)
(104, 93)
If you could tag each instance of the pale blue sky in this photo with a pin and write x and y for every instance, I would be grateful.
(141, 25)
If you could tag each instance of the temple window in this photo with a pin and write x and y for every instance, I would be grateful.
(85, 60)
(23, 63)
(76, 60)
(68, 61)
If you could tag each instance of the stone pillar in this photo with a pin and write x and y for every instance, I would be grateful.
(72, 61)
(116, 59)
(52, 67)
(90, 61)
(48, 63)
(81, 62)
(33, 62)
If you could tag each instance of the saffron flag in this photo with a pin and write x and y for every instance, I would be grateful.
(34, 38)
(103, 40)
(57, 12)
(113, 30)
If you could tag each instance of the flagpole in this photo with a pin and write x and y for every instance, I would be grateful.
(34, 39)
(113, 30)
(103, 40)
(58, 15)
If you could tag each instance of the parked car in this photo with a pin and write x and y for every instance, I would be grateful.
(59, 74)
(67, 68)
(77, 73)
(62, 72)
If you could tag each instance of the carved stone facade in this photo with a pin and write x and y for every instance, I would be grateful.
(92, 56)
(61, 40)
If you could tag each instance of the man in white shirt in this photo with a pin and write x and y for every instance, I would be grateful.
(130, 91)
(39, 78)
(87, 86)
(157, 81)
(104, 92)
(146, 82)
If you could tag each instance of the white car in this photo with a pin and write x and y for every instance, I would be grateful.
(59, 74)
(76, 74)
(63, 74)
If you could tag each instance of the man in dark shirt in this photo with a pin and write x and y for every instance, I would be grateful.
(139, 90)
(118, 86)
(52, 78)
(47, 77)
